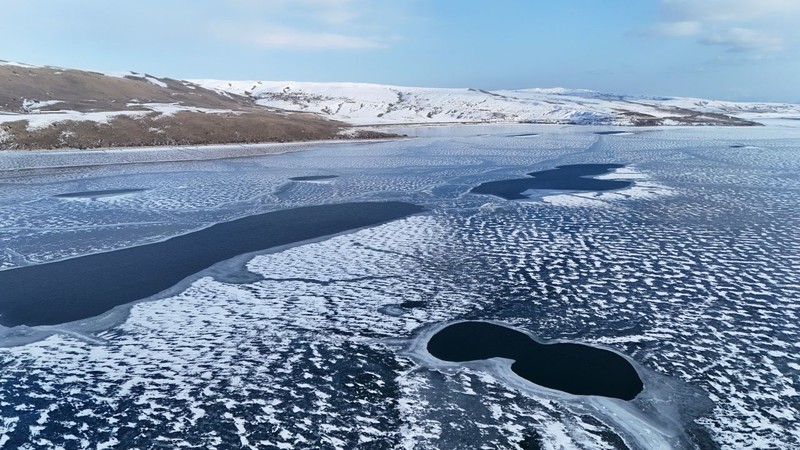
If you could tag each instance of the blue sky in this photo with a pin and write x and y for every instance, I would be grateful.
(728, 49)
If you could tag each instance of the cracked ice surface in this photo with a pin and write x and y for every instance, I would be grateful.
(699, 287)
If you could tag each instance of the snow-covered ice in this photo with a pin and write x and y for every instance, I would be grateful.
(692, 275)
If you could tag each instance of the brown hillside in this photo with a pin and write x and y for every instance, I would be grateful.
(203, 116)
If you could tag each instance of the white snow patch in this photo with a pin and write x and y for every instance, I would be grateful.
(642, 189)
(36, 105)
(168, 109)
(155, 81)
(574, 200)
(129, 74)
(16, 64)
(38, 120)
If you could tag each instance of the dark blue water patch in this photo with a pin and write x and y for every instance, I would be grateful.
(413, 304)
(400, 309)
(611, 133)
(572, 177)
(738, 146)
(314, 178)
(90, 285)
(574, 368)
(98, 194)
(524, 135)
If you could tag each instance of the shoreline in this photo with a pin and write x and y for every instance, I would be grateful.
(43, 159)
(210, 152)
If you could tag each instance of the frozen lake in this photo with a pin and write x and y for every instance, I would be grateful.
(689, 267)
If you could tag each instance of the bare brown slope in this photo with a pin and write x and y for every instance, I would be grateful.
(182, 128)
(84, 91)
(234, 119)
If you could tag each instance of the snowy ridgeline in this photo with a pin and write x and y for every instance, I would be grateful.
(365, 104)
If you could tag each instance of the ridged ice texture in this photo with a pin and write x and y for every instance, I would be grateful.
(698, 284)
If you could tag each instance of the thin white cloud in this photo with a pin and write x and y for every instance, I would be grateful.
(322, 11)
(745, 40)
(284, 38)
(334, 11)
(757, 27)
(727, 10)
(308, 24)
(677, 29)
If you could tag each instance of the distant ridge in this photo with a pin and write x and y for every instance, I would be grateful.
(43, 107)
(368, 104)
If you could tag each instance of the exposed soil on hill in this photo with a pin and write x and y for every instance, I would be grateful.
(145, 111)
(78, 90)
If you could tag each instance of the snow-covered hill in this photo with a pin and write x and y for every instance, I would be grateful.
(365, 104)
(43, 107)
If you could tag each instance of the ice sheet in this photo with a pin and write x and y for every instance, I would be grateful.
(295, 347)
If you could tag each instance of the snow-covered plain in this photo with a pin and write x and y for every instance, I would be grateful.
(312, 346)
(368, 104)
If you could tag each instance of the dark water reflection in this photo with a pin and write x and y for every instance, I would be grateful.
(98, 194)
(572, 177)
(314, 178)
(573, 368)
(87, 286)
